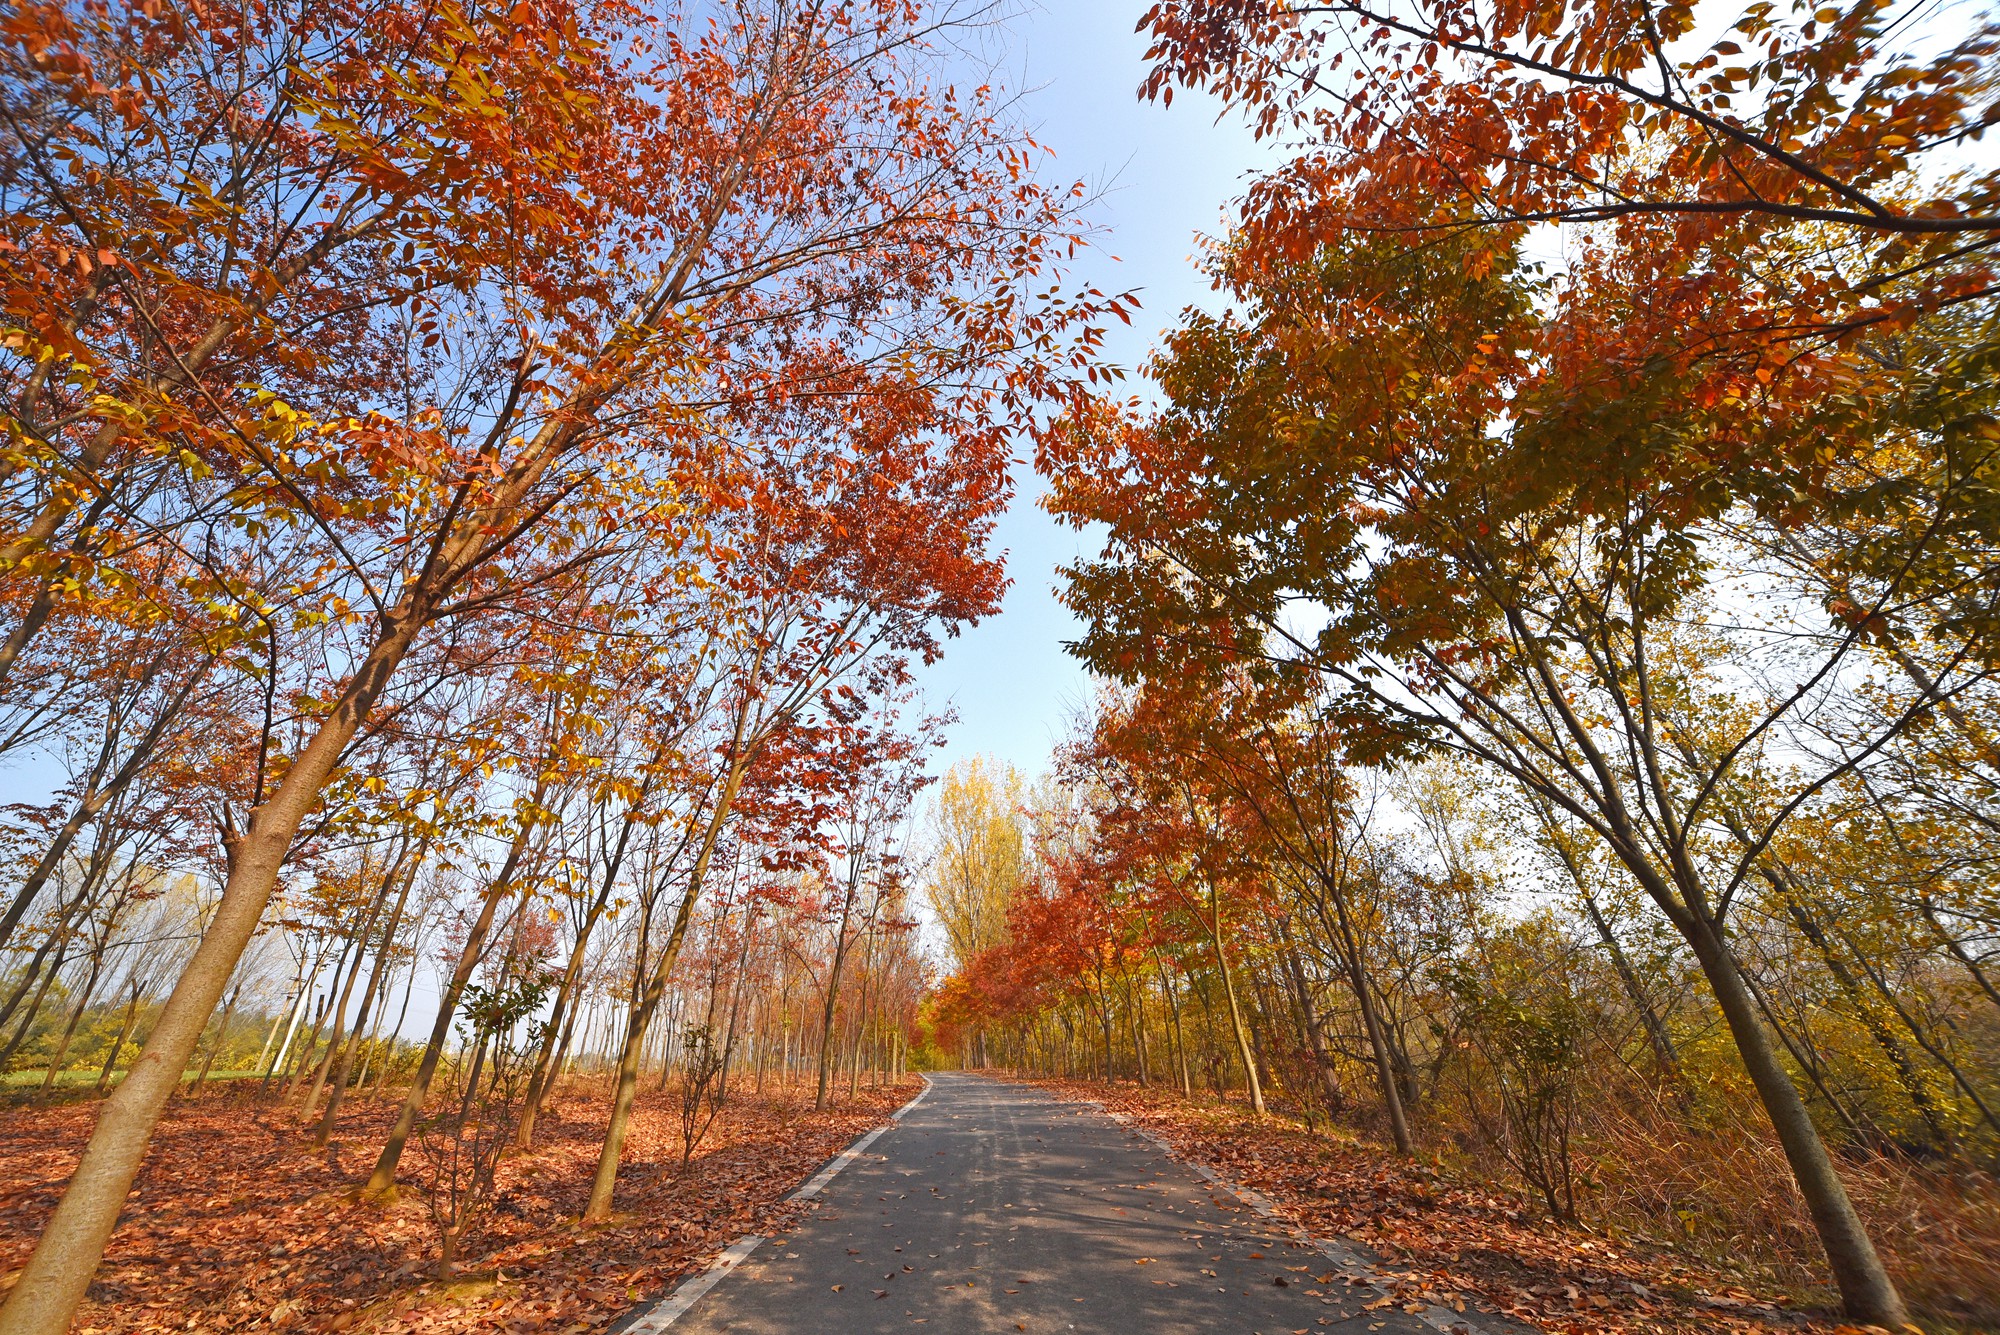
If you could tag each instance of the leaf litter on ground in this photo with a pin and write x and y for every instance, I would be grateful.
(236, 1223)
(1453, 1244)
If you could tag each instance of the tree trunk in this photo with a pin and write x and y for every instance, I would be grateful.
(75, 1018)
(1309, 1024)
(221, 1037)
(50, 1287)
(1664, 1053)
(301, 993)
(606, 1179)
(339, 1082)
(562, 1016)
(1349, 944)
(409, 986)
(335, 1041)
(118, 1043)
(384, 1176)
(302, 1058)
(1177, 1037)
(34, 1009)
(57, 944)
(735, 1005)
(833, 972)
(1249, 1059)
(1865, 1286)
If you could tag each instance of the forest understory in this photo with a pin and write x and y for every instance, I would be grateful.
(1448, 1237)
(238, 1224)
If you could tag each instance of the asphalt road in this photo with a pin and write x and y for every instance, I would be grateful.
(995, 1207)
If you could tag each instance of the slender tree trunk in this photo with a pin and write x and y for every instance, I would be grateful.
(302, 1059)
(606, 1180)
(124, 1032)
(562, 1016)
(95, 794)
(1959, 953)
(1249, 1059)
(826, 1048)
(383, 1178)
(221, 1037)
(1309, 1025)
(336, 1043)
(98, 794)
(1349, 944)
(1176, 1037)
(1104, 1020)
(338, 1088)
(735, 1005)
(1864, 1282)
(34, 1009)
(1885, 1039)
(1923, 1040)
(1665, 1055)
(56, 944)
(302, 996)
(75, 1018)
(409, 986)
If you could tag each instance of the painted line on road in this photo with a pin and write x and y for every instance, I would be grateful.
(818, 1182)
(671, 1308)
(691, 1291)
(1349, 1262)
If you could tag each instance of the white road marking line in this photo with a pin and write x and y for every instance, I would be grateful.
(1345, 1258)
(691, 1291)
(847, 1156)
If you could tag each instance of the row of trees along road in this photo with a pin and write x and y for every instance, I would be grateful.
(482, 476)
(1603, 419)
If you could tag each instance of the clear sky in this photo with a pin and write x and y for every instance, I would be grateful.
(1165, 175)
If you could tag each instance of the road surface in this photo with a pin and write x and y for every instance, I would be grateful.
(996, 1207)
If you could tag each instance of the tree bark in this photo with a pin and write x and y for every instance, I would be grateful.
(336, 1039)
(75, 1018)
(835, 967)
(338, 1084)
(124, 1032)
(556, 1039)
(221, 1037)
(383, 1178)
(1664, 1053)
(54, 1281)
(1243, 1052)
(1863, 1281)
(605, 1182)
(59, 943)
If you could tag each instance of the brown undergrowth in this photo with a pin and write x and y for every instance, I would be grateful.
(236, 1223)
(1444, 1239)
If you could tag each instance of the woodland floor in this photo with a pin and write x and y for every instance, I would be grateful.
(1441, 1240)
(236, 1223)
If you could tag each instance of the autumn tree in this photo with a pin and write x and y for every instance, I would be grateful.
(977, 856)
(586, 246)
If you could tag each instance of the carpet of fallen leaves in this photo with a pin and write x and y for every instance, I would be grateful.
(1444, 1242)
(236, 1223)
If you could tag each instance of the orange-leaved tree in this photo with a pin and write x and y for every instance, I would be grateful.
(612, 237)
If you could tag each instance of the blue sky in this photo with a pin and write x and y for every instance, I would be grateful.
(1165, 175)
